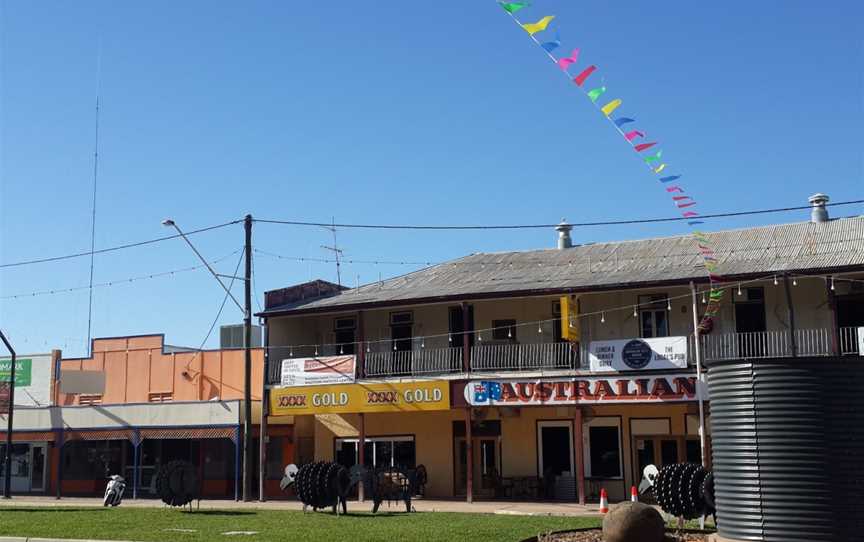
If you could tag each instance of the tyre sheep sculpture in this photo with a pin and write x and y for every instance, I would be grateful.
(326, 484)
(320, 485)
(684, 490)
(391, 484)
(177, 483)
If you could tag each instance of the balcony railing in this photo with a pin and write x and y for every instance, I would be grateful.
(427, 358)
(425, 361)
(524, 357)
(849, 341)
(778, 344)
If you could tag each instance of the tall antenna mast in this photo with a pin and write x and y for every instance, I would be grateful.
(337, 252)
(93, 215)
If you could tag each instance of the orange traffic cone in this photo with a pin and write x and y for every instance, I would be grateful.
(604, 502)
(634, 495)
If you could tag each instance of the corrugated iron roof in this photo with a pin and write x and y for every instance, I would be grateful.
(801, 247)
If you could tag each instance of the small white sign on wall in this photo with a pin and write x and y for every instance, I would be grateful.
(638, 354)
(861, 341)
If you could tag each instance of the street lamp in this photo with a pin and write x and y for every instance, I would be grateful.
(247, 341)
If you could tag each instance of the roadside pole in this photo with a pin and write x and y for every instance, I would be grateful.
(247, 366)
(7, 462)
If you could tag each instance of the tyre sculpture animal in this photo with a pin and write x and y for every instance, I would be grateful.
(320, 485)
(681, 489)
(177, 483)
(392, 484)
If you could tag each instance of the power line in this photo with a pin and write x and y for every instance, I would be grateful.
(542, 226)
(416, 227)
(221, 307)
(594, 260)
(115, 248)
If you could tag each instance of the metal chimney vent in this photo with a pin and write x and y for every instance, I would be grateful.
(564, 240)
(819, 213)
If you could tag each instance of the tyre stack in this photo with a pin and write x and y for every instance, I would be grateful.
(177, 483)
(322, 484)
(685, 490)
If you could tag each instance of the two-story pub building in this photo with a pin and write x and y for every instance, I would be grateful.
(465, 367)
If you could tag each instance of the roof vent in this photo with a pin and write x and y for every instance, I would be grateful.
(564, 240)
(819, 213)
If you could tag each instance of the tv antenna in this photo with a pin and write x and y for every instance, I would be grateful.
(337, 252)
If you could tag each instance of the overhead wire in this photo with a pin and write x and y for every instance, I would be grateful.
(410, 227)
(115, 248)
(221, 308)
(538, 226)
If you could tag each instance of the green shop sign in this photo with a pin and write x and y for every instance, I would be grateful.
(22, 371)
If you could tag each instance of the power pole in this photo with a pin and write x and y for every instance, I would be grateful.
(7, 463)
(247, 366)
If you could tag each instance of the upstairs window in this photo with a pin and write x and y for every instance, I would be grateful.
(165, 397)
(654, 316)
(504, 330)
(345, 333)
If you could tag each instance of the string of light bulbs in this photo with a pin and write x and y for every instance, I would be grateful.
(831, 279)
(117, 282)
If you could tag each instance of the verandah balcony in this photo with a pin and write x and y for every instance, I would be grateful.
(438, 356)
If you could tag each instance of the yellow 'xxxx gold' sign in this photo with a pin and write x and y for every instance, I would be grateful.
(347, 398)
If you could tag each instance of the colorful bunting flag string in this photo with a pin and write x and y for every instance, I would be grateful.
(682, 201)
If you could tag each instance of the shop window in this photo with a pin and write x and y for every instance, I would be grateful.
(275, 462)
(90, 399)
(693, 451)
(604, 448)
(378, 452)
(218, 459)
(165, 397)
(504, 330)
(654, 316)
(92, 460)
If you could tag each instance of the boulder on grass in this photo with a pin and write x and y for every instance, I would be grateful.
(633, 522)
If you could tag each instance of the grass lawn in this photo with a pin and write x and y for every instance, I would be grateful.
(208, 525)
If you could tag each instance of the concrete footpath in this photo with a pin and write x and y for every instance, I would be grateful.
(421, 505)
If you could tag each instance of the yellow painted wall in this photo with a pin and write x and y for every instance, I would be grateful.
(434, 439)
(432, 435)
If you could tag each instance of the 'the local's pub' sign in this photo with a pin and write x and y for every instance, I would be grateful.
(638, 354)
(587, 390)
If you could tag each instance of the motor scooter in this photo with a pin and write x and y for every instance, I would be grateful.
(114, 490)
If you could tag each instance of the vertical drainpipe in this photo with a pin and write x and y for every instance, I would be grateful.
(698, 347)
(136, 462)
(361, 456)
(360, 351)
(265, 411)
(466, 349)
(578, 456)
(60, 442)
(469, 458)
(791, 312)
(835, 323)
(237, 437)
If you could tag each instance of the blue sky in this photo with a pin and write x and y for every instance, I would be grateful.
(389, 112)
